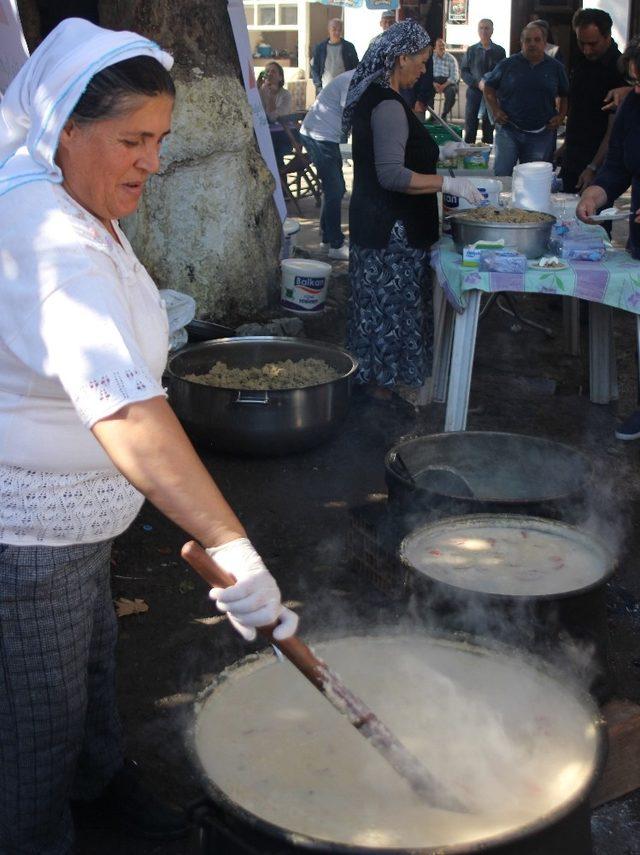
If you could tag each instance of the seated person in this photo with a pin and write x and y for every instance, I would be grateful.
(277, 103)
(445, 77)
(276, 100)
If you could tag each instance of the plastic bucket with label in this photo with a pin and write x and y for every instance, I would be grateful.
(490, 189)
(304, 285)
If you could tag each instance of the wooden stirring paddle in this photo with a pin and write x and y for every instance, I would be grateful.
(334, 690)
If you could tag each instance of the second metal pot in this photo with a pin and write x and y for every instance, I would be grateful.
(264, 422)
(531, 239)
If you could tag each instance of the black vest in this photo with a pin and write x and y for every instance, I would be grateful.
(374, 210)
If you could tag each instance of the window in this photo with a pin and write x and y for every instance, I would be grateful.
(266, 16)
(288, 16)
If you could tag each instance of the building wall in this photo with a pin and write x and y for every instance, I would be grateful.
(360, 26)
(620, 12)
(467, 34)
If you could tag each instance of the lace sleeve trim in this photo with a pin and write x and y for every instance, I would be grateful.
(104, 395)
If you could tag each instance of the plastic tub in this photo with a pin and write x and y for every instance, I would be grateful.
(304, 285)
(531, 186)
(478, 159)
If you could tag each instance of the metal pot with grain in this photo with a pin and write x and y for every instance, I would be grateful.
(260, 421)
(527, 232)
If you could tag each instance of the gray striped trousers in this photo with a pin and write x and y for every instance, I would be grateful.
(59, 728)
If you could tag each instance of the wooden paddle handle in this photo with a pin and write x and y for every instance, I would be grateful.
(295, 650)
(357, 712)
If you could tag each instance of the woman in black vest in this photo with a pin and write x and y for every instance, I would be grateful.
(393, 215)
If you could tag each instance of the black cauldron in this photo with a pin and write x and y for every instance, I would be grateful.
(224, 827)
(506, 473)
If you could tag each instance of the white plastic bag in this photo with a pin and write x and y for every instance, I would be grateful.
(181, 310)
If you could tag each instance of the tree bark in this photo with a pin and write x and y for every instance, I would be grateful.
(208, 224)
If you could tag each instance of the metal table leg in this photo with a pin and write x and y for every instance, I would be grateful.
(603, 385)
(443, 341)
(464, 346)
(571, 324)
(638, 351)
(435, 387)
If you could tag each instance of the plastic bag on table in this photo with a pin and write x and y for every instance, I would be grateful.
(181, 308)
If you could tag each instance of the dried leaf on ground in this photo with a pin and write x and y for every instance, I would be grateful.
(126, 607)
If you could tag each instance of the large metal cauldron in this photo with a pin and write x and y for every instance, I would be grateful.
(507, 473)
(538, 615)
(531, 239)
(259, 422)
(224, 826)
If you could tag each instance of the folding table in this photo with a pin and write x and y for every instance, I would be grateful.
(613, 283)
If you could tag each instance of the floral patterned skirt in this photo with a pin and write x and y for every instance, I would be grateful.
(390, 312)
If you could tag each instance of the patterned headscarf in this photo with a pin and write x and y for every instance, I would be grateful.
(405, 37)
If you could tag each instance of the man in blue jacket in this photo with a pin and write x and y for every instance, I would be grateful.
(479, 60)
(332, 57)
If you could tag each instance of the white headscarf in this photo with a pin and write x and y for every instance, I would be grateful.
(42, 95)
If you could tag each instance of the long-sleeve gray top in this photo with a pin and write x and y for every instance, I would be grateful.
(390, 133)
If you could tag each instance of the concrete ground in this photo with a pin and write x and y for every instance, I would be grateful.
(296, 511)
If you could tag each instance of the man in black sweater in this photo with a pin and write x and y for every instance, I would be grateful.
(594, 74)
(479, 60)
(332, 57)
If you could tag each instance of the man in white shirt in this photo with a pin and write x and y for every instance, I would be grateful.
(321, 133)
(445, 76)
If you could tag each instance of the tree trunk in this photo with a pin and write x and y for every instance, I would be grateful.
(207, 224)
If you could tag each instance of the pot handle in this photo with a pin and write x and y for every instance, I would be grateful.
(252, 398)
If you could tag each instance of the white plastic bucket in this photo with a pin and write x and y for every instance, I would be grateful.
(531, 186)
(290, 229)
(304, 285)
(490, 189)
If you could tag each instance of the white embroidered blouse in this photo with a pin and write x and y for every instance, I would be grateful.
(83, 332)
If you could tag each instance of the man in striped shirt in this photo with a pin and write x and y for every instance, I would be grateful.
(445, 77)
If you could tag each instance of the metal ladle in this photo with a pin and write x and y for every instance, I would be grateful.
(448, 479)
(444, 124)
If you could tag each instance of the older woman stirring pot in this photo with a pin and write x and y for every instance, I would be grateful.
(85, 430)
(393, 215)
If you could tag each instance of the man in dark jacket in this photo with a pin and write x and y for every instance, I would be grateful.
(479, 60)
(333, 56)
(594, 74)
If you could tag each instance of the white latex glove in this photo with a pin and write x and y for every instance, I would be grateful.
(463, 187)
(255, 598)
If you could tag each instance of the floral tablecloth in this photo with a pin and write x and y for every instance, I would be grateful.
(614, 281)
